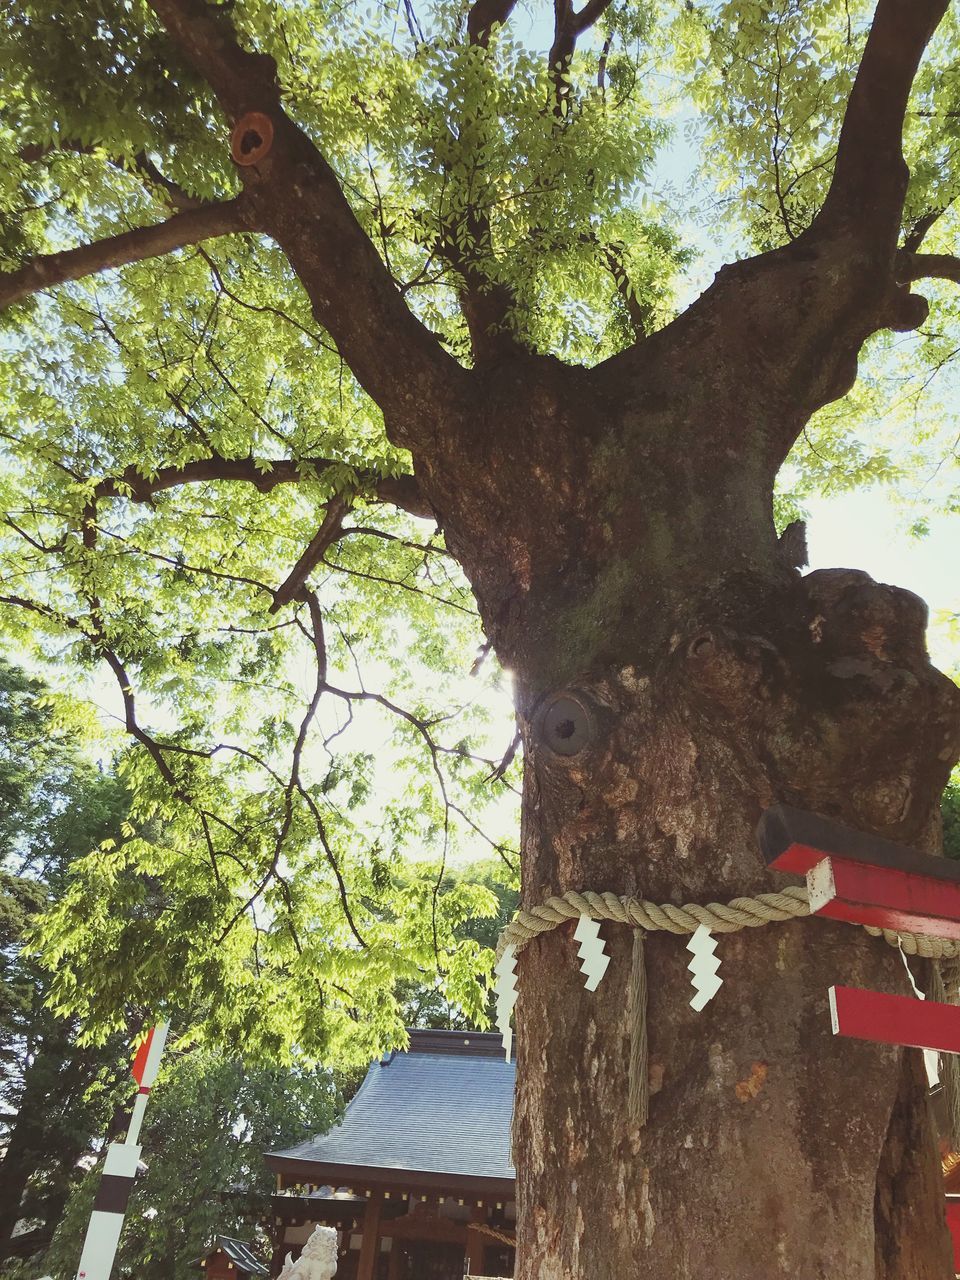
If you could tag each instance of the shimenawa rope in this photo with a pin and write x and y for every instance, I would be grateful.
(719, 917)
(790, 903)
(504, 1237)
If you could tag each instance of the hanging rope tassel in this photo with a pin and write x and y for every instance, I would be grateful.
(945, 988)
(638, 1097)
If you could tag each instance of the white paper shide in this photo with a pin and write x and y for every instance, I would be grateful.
(703, 967)
(593, 957)
(506, 989)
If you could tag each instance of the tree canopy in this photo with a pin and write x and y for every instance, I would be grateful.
(205, 1136)
(210, 503)
(55, 1093)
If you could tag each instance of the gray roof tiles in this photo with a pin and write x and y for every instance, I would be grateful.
(443, 1107)
(239, 1252)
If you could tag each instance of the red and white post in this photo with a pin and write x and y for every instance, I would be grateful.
(120, 1168)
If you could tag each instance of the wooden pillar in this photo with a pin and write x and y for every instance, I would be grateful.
(475, 1243)
(396, 1260)
(370, 1244)
(278, 1238)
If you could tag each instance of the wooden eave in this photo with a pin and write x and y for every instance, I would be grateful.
(366, 1177)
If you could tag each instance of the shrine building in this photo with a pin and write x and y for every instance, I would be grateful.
(417, 1177)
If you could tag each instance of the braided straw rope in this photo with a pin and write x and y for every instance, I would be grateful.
(740, 913)
(504, 1237)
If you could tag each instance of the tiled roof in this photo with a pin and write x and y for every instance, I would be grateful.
(444, 1106)
(239, 1253)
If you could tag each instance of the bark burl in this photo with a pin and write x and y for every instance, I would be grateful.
(616, 526)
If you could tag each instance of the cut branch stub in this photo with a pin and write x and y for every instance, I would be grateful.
(907, 311)
(565, 724)
(252, 138)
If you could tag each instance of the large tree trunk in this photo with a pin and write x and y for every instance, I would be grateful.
(615, 523)
(616, 526)
(714, 681)
(772, 1147)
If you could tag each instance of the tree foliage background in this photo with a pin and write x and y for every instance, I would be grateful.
(211, 1118)
(56, 1093)
(203, 507)
(207, 1130)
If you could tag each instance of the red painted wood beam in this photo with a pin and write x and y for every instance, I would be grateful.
(887, 1019)
(861, 878)
(887, 898)
(795, 840)
(953, 1222)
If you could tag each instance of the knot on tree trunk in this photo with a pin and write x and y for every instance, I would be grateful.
(837, 684)
(815, 691)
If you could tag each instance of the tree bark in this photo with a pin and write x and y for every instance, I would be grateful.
(772, 1147)
(623, 560)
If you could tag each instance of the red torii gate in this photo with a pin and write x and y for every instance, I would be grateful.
(867, 880)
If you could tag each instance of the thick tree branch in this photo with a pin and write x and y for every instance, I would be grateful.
(927, 266)
(189, 227)
(589, 14)
(810, 305)
(486, 305)
(243, 81)
(299, 202)
(641, 316)
(328, 532)
(918, 232)
(484, 16)
(400, 491)
(567, 27)
(870, 177)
